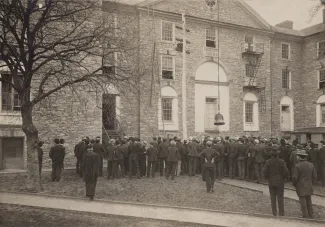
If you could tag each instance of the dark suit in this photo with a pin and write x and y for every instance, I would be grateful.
(162, 154)
(134, 159)
(259, 160)
(220, 148)
(117, 162)
(82, 151)
(192, 154)
(109, 151)
(171, 159)
(321, 161)
(77, 155)
(125, 150)
(232, 159)
(209, 155)
(304, 174)
(99, 149)
(276, 171)
(57, 154)
(152, 160)
(241, 159)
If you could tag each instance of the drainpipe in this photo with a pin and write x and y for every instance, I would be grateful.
(184, 111)
(139, 80)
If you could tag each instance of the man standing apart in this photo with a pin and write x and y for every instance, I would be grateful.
(209, 155)
(304, 174)
(276, 171)
(57, 154)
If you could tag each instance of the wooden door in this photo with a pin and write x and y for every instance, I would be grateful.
(285, 118)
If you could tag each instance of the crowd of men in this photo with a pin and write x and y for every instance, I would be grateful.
(251, 158)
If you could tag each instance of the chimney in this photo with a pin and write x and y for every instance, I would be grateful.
(286, 24)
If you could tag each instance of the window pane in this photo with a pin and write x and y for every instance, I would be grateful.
(167, 31)
(250, 70)
(167, 67)
(6, 92)
(249, 112)
(167, 109)
(285, 79)
(285, 51)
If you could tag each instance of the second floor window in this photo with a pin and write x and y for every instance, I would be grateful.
(167, 67)
(10, 98)
(321, 49)
(321, 78)
(167, 109)
(210, 38)
(286, 79)
(285, 51)
(167, 33)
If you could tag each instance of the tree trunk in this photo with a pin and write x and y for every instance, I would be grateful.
(33, 180)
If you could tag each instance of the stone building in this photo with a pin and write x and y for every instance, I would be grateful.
(271, 78)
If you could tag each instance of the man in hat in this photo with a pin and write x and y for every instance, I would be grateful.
(209, 155)
(91, 171)
(293, 157)
(134, 158)
(304, 174)
(99, 149)
(321, 159)
(220, 148)
(125, 150)
(184, 158)
(57, 154)
(241, 151)
(276, 171)
(109, 151)
(232, 157)
(313, 156)
(179, 146)
(152, 159)
(162, 154)
(192, 154)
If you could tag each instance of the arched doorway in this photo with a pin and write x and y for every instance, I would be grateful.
(206, 97)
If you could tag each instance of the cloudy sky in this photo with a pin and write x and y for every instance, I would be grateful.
(276, 11)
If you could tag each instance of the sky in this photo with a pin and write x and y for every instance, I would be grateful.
(276, 11)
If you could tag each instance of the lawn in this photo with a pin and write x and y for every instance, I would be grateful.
(183, 191)
(21, 216)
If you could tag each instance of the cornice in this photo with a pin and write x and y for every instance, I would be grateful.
(207, 21)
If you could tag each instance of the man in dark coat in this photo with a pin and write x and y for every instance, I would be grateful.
(162, 154)
(259, 160)
(180, 149)
(152, 159)
(232, 157)
(209, 155)
(83, 152)
(99, 149)
(250, 159)
(220, 148)
(313, 156)
(192, 154)
(276, 171)
(57, 154)
(77, 150)
(117, 160)
(321, 157)
(125, 150)
(142, 158)
(304, 174)
(241, 158)
(134, 157)
(40, 153)
(91, 171)
(171, 159)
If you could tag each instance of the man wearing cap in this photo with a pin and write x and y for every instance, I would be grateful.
(276, 171)
(162, 154)
(152, 159)
(304, 174)
(134, 158)
(258, 155)
(209, 155)
(57, 154)
(98, 148)
(232, 157)
(321, 162)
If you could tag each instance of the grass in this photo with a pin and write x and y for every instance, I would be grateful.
(183, 191)
(22, 216)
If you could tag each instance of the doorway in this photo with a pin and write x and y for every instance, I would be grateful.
(285, 118)
(12, 153)
(109, 112)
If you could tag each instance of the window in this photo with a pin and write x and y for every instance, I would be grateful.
(249, 112)
(167, 33)
(285, 50)
(286, 79)
(249, 43)
(167, 109)
(10, 98)
(167, 67)
(321, 78)
(321, 49)
(210, 38)
(322, 109)
(250, 70)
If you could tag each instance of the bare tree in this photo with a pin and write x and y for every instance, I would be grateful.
(50, 45)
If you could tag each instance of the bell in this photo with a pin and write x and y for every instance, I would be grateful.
(219, 119)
